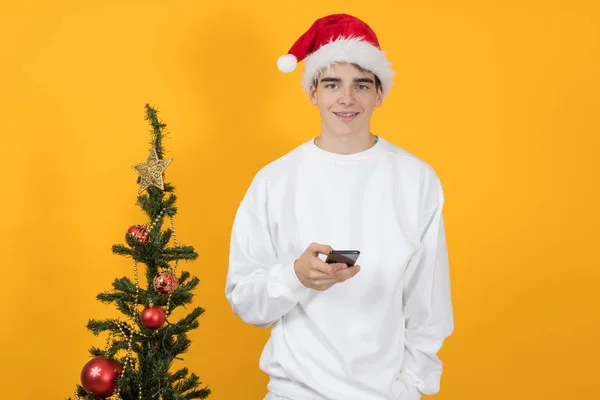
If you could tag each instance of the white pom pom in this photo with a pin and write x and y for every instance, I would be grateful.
(287, 63)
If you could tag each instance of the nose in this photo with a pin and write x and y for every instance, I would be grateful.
(346, 96)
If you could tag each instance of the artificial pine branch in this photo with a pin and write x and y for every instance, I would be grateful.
(179, 253)
(198, 394)
(169, 203)
(165, 238)
(97, 326)
(189, 383)
(125, 285)
(116, 347)
(181, 298)
(180, 374)
(181, 344)
(189, 319)
(158, 128)
(121, 250)
(95, 351)
(110, 297)
(186, 287)
(184, 276)
(124, 307)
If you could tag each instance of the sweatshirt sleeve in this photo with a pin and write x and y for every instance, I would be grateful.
(259, 289)
(428, 311)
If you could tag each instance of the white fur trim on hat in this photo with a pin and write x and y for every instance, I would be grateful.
(348, 50)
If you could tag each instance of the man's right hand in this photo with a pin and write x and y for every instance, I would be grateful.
(317, 274)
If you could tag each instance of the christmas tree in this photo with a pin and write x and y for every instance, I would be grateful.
(140, 350)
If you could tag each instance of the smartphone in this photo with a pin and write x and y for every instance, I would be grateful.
(347, 257)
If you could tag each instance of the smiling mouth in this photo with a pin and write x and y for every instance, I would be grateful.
(346, 114)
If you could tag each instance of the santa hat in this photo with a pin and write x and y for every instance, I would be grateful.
(337, 38)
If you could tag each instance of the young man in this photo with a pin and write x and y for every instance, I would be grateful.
(366, 332)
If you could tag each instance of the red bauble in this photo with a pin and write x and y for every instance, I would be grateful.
(153, 317)
(99, 375)
(165, 282)
(139, 233)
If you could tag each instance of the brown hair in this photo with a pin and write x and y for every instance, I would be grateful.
(358, 67)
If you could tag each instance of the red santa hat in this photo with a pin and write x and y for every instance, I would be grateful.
(337, 38)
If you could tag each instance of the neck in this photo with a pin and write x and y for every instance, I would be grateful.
(345, 144)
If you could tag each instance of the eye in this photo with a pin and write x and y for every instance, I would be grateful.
(363, 87)
(330, 86)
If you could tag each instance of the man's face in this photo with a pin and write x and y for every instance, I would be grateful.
(346, 98)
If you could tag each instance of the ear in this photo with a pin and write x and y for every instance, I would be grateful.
(379, 98)
(312, 94)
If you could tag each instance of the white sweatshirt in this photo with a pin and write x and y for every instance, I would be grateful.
(375, 336)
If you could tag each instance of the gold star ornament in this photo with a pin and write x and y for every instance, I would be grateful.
(151, 172)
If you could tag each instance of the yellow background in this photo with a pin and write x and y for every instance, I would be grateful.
(500, 97)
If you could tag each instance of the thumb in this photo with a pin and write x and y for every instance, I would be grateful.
(317, 248)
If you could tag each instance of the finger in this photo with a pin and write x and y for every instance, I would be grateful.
(347, 273)
(324, 282)
(327, 269)
(315, 274)
(335, 267)
(317, 248)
